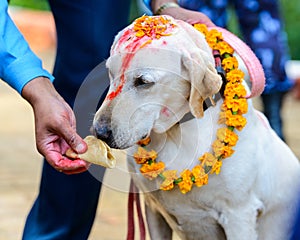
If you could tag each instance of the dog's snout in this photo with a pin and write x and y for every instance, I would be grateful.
(103, 132)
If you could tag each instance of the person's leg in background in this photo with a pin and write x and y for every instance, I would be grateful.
(66, 205)
(262, 28)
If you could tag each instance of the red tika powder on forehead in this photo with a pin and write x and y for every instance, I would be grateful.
(145, 29)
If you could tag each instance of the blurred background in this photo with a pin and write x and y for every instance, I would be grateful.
(20, 163)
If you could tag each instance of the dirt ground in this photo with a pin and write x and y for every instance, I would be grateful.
(20, 166)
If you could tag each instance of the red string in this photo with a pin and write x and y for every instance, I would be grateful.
(134, 197)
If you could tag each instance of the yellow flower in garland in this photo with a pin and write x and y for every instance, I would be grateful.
(152, 170)
(142, 155)
(234, 89)
(232, 120)
(201, 28)
(200, 177)
(217, 167)
(186, 184)
(237, 105)
(208, 159)
(169, 177)
(224, 47)
(229, 63)
(243, 108)
(227, 136)
(224, 115)
(213, 38)
(235, 75)
(236, 121)
(222, 150)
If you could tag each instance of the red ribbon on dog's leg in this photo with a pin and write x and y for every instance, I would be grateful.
(255, 69)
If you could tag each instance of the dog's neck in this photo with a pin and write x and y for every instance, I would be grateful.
(194, 137)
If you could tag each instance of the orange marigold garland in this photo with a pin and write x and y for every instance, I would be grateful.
(232, 109)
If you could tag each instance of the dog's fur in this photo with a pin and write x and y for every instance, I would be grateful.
(255, 194)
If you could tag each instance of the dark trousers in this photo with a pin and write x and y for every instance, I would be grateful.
(66, 204)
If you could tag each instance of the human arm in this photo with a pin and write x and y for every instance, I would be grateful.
(54, 120)
(55, 126)
(186, 15)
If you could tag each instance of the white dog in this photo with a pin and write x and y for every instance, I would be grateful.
(153, 85)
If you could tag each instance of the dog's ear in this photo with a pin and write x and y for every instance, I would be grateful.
(204, 79)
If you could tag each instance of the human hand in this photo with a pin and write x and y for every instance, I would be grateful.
(189, 16)
(55, 126)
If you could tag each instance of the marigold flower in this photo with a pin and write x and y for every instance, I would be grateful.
(208, 159)
(229, 63)
(235, 75)
(152, 170)
(220, 149)
(217, 167)
(224, 47)
(167, 187)
(234, 89)
(142, 155)
(224, 115)
(236, 121)
(170, 176)
(201, 28)
(243, 106)
(201, 178)
(227, 136)
(237, 105)
(186, 184)
(215, 35)
(153, 27)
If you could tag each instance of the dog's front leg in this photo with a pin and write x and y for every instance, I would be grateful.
(240, 222)
(157, 226)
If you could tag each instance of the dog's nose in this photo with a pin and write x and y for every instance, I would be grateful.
(103, 132)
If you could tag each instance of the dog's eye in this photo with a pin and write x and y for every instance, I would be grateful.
(141, 81)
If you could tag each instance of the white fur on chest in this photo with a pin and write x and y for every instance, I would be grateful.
(246, 184)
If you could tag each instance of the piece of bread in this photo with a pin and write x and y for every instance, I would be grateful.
(98, 152)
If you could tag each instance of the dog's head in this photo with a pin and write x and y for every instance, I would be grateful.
(160, 69)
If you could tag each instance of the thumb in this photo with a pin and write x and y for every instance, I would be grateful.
(74, 140)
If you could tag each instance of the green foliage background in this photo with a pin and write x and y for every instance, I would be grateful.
(290, 12)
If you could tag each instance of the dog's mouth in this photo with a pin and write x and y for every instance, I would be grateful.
(119, 143)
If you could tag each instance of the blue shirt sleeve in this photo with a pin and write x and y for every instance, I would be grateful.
(148, 4)
(18, 64)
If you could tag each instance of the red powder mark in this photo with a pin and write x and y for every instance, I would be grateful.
(137, 43)
(165, 111)
(155, 32)
(125, 37)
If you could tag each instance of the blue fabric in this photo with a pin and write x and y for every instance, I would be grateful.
(18, 64)
(262, 29)
(272, 111)
(66, 204)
